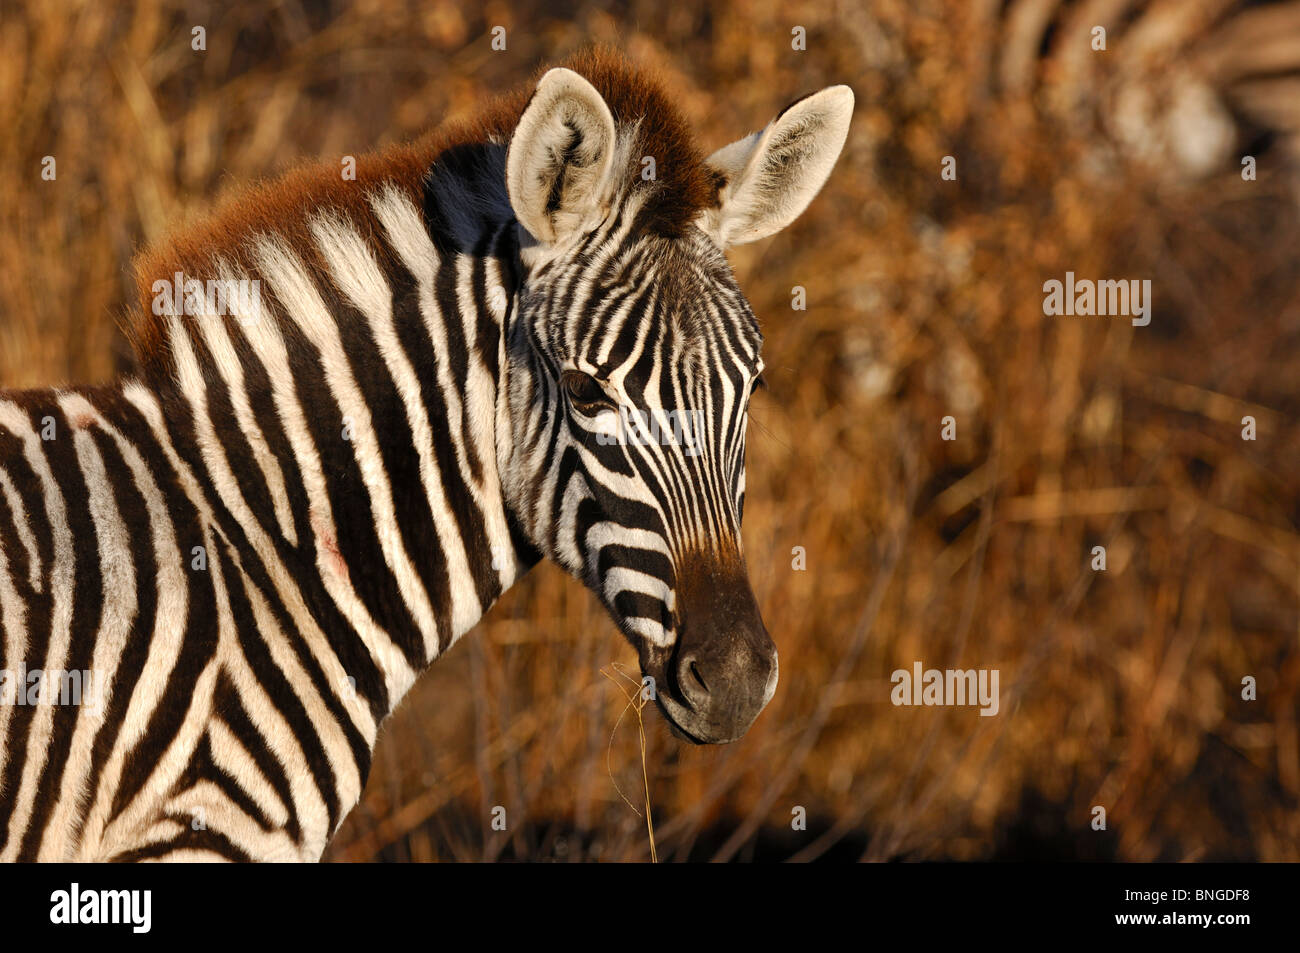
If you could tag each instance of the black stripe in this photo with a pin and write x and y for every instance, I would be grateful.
(135, 653)
(199, 636)
(637, 605)
(203, 767)
(39, 623)
(87, 613)
(189, 839)
(227, 706)
(234, 443)
(418, 346)
(16, 555)
(649, 561)
(277, 686)
(354, 523)
(344, 641)
(397, 447)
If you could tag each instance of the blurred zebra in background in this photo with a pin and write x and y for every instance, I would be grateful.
(1184, 87)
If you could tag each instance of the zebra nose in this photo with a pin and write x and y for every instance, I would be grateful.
(723, 670)
(736, 659)
(725, 680)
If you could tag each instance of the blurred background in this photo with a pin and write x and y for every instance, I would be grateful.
(1119, 688)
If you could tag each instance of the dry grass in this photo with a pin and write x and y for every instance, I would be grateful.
(1119, 689)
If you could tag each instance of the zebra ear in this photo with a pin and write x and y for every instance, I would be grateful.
(558, 163)
(771, 176)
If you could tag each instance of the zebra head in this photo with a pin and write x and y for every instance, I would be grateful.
(631, 361)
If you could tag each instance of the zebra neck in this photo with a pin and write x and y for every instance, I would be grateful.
(343, 442)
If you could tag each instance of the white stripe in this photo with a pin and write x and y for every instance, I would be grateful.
(120, 605)
(313, 812)
(307, 628)
(264, 337)
(231, 370)
(168, 766)
(303, 304)
(347, 777)
(649, 630)
(210, 808)
(230, 755)
(358, 277)
(410, 239)
(625, 579)
(62, 583)
(171, 617)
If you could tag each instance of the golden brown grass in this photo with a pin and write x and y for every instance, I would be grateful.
(1119, 689)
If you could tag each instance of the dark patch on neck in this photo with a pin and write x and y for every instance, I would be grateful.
(465, 200)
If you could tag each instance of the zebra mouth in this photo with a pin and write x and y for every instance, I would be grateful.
(702, 727)
(677, 731)
(674, 714)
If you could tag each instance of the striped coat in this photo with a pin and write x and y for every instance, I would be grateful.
(245, 554)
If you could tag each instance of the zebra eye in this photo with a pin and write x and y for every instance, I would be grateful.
(759, 384)
(586, 395)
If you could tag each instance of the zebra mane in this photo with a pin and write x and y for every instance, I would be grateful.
(285, 206)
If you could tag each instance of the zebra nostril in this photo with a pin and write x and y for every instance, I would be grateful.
(689, 679)
(695, 671)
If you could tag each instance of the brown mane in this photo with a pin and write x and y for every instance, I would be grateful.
(283, 205)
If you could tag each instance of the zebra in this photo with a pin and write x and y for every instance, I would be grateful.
(1184, 88)
(255, 543)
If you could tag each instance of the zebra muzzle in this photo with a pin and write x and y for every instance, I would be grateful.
(724, 669)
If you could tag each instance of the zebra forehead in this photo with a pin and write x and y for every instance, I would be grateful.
(687, 339)
(656, 304)
(696, 296)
